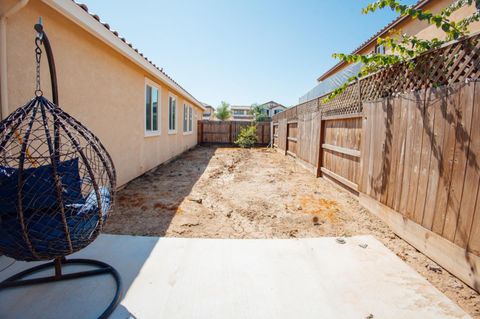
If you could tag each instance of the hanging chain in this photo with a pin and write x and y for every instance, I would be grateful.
(38, 58)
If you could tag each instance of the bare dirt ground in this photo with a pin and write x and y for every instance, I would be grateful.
(236, 193)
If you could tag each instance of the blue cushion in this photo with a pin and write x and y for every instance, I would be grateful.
(39, 192)
(42, 214)
(46, 231)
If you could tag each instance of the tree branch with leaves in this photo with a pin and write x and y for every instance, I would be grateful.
(223, 112)
(403, 47)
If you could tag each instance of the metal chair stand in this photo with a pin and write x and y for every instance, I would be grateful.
(100, 268)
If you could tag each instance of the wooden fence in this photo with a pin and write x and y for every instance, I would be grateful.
(226, 132)
(407, 142)
(421, 171)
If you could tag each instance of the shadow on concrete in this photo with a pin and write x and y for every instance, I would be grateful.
(78, 298)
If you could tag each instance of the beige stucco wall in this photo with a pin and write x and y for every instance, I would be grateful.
(99, 87)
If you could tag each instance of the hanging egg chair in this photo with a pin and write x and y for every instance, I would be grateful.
(57, 186)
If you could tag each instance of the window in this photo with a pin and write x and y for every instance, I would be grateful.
(380, 49)
(151, 109)
(277, 111)
(172, 114)
(190, 119)
(187, 118)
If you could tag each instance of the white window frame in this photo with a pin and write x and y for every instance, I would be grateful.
(174, 131)
(187, 119)
(158, 131)
(190, 120)
(380, 49)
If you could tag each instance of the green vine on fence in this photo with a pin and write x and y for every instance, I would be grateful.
(402, 47)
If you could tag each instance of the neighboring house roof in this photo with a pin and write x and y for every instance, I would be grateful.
(273, 104)
(269, 104)
(332, 82)
(374, 38)
(79, 14)
(208, 106)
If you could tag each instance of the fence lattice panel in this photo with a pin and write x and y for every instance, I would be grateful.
(454, 62)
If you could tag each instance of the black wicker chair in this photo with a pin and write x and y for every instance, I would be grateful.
(57, 187)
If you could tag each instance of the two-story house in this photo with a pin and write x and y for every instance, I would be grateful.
(241, 113)
(209, 113)
(271, 108)
(244, 112)
(340, 72)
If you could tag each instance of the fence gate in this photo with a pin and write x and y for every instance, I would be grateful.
(340, 155)
(292, 134)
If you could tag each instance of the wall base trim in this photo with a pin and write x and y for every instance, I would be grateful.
(456, 260)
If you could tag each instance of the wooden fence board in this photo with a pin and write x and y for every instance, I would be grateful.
(472, 176)
(463, 118)
(437, 98)
(378, 150)
(417, 106)
(446, 164)
(367, 161)
(386, 140)
(405, 189)
(474, 239)
(401, 149)
(426, 129)
(394, 118)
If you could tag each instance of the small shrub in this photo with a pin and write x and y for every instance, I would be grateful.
(247, 137)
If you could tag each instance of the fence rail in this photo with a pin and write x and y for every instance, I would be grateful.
(407, 141)
(226, 132)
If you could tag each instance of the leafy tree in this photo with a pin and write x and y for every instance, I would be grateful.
(247, 136)
(403, 47)
(223, 112)
(258, 112)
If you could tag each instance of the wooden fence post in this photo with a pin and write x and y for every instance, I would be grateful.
(263, 132)
(320, 149)
(286, 137)
(200, 131)
(271, 133)
(230, 132)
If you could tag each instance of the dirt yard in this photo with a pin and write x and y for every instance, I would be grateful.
(235, 193)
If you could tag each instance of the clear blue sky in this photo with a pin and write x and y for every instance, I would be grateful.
(243, 51)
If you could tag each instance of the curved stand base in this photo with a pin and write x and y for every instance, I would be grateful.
(101, 268)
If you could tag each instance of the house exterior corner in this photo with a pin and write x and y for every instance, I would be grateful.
(104, 89)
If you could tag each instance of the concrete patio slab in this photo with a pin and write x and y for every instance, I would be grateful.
(216, 278)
